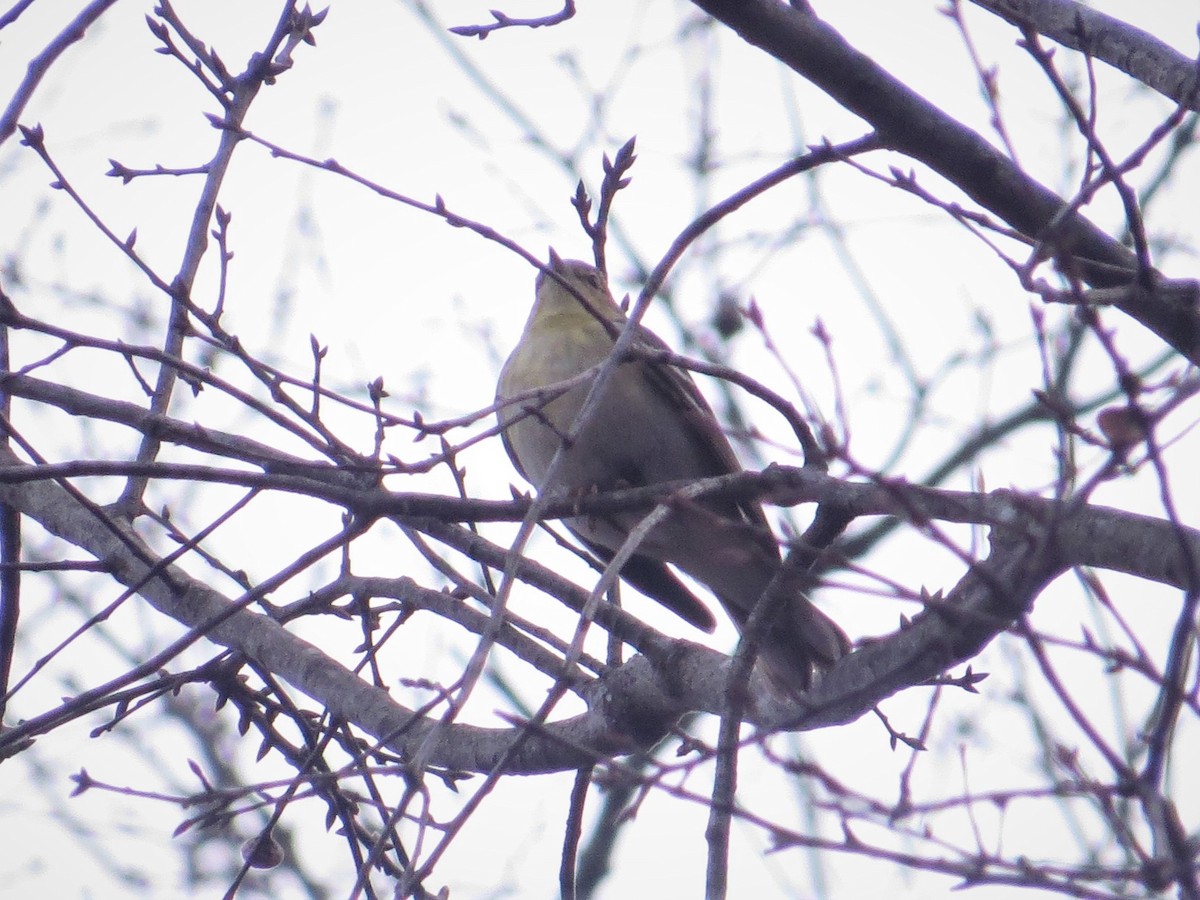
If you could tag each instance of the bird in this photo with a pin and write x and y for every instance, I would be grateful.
(650, 424)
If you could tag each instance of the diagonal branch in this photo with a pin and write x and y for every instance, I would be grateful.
(910, 124)
(1135, 52)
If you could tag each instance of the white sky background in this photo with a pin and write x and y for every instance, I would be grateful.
(393, 292)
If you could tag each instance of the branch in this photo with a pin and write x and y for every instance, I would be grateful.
(910, 124)
(1135, 52)
(40, 65)
(1035, 541)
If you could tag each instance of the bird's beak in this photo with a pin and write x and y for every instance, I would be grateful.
(554, 265)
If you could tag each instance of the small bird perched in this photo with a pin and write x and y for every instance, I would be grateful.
(650, 425)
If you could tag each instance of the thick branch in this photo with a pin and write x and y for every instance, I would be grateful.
(1136, 53)
(917, 128)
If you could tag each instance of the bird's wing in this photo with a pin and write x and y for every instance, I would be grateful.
(696, 414)
(658, 582)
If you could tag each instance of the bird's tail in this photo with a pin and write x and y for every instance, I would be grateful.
(801, 643)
